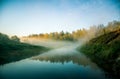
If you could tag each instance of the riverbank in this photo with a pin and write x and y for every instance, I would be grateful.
(59, 63)
(13, 50)
(105, 51)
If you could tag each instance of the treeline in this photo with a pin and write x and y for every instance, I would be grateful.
(92, 32)
(75, 35)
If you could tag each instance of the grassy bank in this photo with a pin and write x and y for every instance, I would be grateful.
(11, 50)
(105, 51)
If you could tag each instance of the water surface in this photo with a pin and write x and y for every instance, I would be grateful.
(60, 63)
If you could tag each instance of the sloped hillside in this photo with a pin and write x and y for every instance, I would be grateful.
(12, 50)
(105, 51)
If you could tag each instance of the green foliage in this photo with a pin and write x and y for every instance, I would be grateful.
(15, 38)
(3, 37)
(13, 50)
(105, 51)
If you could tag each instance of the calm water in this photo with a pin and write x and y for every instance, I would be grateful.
(62, 63)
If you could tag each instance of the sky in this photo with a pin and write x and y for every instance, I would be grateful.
(24, 17)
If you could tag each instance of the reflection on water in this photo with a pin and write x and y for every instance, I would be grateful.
(62, 63)
(75, 57)
(32, 69)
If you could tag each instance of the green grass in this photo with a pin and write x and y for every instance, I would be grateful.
(13, 51)
(105, 51)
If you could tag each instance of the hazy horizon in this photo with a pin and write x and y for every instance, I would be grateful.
(24, 17)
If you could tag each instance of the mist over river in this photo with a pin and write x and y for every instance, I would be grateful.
(62, 62)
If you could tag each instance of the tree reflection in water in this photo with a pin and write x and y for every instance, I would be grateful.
(58, 56)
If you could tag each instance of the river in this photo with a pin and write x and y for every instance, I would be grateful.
(60, 63)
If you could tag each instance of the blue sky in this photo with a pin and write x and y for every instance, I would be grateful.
(24, 17)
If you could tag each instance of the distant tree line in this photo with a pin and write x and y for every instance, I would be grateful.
(93, 31)
(75, 35)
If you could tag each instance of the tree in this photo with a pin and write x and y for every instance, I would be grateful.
(15, 38)
(3, 37)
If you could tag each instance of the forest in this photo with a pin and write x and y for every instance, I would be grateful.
(93, 31)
